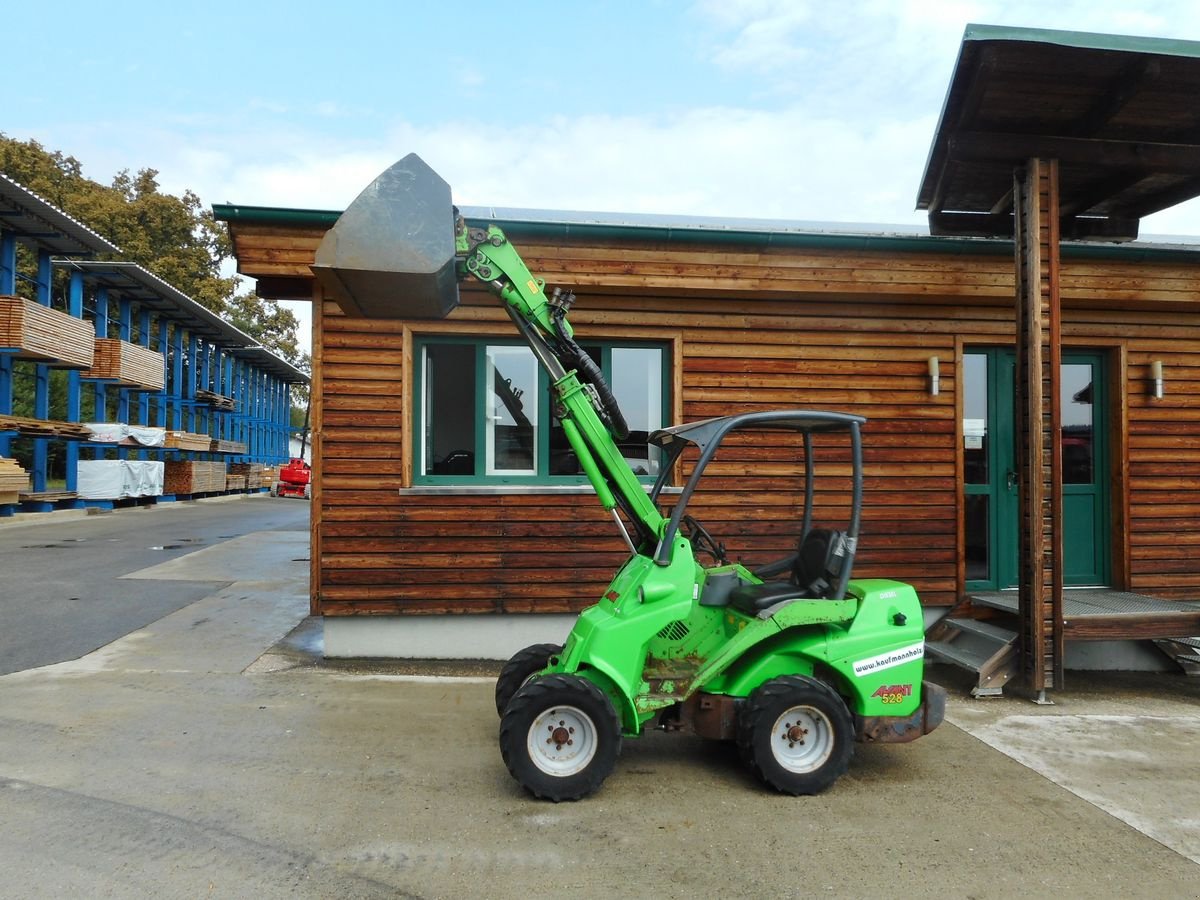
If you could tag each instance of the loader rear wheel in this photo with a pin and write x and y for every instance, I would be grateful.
(797, 734)
(560, 737)
(522, 666)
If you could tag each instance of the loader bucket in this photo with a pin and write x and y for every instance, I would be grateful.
(391, 253)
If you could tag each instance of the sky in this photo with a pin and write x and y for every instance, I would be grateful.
(800, 110)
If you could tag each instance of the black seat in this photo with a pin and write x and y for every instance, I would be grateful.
(815, 570)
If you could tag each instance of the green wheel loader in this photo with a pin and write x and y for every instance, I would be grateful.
(793, 661)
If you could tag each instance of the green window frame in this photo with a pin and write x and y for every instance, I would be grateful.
(511, 436)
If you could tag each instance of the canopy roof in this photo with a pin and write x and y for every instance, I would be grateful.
(139, 284)
(42, 225)
(1118, 113)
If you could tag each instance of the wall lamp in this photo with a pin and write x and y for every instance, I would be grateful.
(934, 376)
(1157, 377)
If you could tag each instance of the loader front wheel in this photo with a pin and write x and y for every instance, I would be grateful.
(797, 734)
(560, 737)
(522, 666)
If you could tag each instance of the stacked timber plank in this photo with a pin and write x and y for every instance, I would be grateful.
(218, 446)
(187, 440)
(67, 431)
(253, 473)
(190, 476)
(128, 365)
(235, 482)
(13, 480)
(46, 335)
(216, 401)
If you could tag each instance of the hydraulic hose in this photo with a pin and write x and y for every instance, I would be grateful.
(590, 373)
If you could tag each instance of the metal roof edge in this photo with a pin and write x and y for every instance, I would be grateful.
(1084, 40)
(43, 209)
(761, 233)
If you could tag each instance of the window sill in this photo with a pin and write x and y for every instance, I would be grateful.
(466, 490)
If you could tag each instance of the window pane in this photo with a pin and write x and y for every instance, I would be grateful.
(978, 567)
(637, 384)
(449, 410)
(1078, 446)
(975, 418)
(511, 411)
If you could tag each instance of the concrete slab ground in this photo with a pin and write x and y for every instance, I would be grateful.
(213, 753)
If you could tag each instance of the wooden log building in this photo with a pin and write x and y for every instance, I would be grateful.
(445, 522)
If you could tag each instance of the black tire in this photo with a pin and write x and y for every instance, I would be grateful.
(797, 734)
(518, 670)
(560, 737)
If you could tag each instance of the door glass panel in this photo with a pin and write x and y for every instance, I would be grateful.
(511, 413)
(1078, 440)
(975, 418)
(978, 566)
(448, 415)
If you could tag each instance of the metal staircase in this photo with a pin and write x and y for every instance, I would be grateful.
(988, 650)
(1184, 650)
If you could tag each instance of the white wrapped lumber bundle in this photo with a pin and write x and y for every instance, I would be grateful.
(40, 333)
(118, 479)
(129, 365)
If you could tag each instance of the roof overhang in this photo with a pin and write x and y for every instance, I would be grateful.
(149, 291)
(43, 226)
(1118, 113)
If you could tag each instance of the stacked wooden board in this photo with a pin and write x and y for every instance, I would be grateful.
(216, 401)
(235, 482)
(129, 365)
(188, 440)
(13, 480)
(226, 447)
(253, 473)
(44, 334)
(67, 431)
(189, 476)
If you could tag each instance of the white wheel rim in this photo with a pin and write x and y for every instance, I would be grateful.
(802, 739)
(562, 741)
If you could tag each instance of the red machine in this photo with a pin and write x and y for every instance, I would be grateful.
(294, 480)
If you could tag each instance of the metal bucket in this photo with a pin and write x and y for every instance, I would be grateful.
(391, 254)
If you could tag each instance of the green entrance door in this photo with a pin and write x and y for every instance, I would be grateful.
(990, 469)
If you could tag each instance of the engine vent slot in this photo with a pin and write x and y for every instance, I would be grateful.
(676, 631)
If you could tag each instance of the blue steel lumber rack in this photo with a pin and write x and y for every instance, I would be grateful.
(206, 360)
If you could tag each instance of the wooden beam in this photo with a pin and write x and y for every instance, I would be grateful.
(992, 146)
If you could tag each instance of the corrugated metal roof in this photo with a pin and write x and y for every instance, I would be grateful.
(43, 225)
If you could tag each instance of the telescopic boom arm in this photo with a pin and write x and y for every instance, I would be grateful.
(584, 404)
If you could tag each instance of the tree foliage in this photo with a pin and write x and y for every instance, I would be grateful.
(176, 238)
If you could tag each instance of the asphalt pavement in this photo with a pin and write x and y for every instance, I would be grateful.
(214, 753)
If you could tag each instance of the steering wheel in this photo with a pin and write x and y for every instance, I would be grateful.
(703, 542)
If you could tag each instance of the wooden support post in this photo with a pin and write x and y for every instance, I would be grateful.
(1039, 427)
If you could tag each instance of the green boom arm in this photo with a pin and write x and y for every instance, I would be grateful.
(541, 320)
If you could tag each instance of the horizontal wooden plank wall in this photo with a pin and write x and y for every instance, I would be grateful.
(831, 329)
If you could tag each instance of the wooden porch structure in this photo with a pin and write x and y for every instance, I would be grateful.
(1047, 136)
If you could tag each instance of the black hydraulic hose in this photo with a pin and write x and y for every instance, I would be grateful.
(591, 374)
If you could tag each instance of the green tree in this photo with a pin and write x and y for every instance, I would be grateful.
(176, 238)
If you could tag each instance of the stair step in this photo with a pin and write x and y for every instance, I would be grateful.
(972, 660)
(983, 629)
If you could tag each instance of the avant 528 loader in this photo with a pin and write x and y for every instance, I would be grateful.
(793, 661)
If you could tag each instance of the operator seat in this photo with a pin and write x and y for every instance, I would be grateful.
(815, 570)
